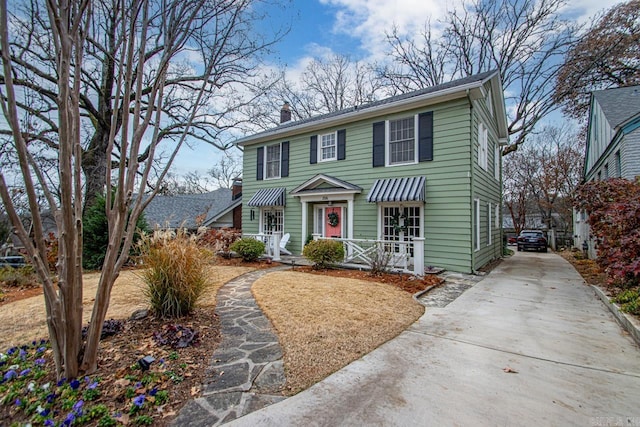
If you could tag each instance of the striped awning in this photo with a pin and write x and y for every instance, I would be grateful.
(410, 189)
(268, 197)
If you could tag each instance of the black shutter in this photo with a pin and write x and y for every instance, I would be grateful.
(378, 144)
(284, 159)
(260, 166)
(342, 144)
(425, 136)
(313, 150)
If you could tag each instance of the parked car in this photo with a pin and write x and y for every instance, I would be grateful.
(532, 239)
(16, 261)
(512, 240)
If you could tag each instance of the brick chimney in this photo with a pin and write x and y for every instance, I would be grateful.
(236, 193)
(285, 113)
(236, 188)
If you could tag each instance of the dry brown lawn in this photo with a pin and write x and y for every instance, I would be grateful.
(24, 320)
(324, 324)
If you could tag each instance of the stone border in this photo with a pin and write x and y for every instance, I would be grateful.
(626, 321)
(418, 294)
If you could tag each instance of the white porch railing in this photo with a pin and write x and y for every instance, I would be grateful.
(271, 243)
(407, 256)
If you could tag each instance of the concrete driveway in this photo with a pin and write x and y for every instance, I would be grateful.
(533, 315)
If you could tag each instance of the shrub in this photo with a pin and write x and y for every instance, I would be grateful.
(249, 249)
(629, 301)
(23, 277)
(220, 241)
(324, 252)
(95, 238)
(176, 272)
(379, 259)
(614, 216)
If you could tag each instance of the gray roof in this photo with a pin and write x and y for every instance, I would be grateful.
(182, 210)
(476, 79)
(619, 104)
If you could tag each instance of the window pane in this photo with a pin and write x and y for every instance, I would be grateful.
(273, 161)
(328, 146)
(401, 141)
(272, 220)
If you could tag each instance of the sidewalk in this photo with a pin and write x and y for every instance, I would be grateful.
(529, 345)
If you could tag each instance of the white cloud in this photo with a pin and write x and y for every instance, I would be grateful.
(584, 10)
(369, 20)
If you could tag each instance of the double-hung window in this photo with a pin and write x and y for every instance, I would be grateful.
(328, 147)
(401, 141)
(273, 161)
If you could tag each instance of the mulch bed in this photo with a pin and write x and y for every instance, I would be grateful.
(406, 282)
(12, 294)
(118, 360)
(588, 268)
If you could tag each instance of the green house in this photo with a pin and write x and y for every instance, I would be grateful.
(417, 174)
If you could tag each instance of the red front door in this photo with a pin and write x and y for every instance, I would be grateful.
(333, 222)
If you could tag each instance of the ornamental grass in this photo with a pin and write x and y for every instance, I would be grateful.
(175, 271)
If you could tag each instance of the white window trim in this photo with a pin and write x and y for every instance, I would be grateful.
(261, 216)
(335, 138)
(496, 162)
(482, 146)
(381, 207)
(476, 224)
(266, 168)
(387, 154)
(489, 221)
(497, 215)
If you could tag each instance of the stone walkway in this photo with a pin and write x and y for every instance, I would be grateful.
(246, 371)
(454, 285)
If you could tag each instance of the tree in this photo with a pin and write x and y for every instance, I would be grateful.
(606, 56)
(226, 171)
(190, 183)
(327, 84)
(228, 90)
(541, 177)
(96, 234)
(147, 92)
(524, 40)
(558, 153)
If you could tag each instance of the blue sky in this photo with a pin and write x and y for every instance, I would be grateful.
(350, 27)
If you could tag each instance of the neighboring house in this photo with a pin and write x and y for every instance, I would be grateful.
(422, 169)
(217, 209)
(613, 146)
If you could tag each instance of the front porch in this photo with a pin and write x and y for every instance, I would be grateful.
(364, 254)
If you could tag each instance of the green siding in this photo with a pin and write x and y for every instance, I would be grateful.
(486, 188)
(448, 206)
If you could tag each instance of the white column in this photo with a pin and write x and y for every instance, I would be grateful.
(305, 215)
(349, 225)
(275, 241)
(418, 256)
(350, 218)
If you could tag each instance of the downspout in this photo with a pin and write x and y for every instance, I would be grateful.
(471, 188)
